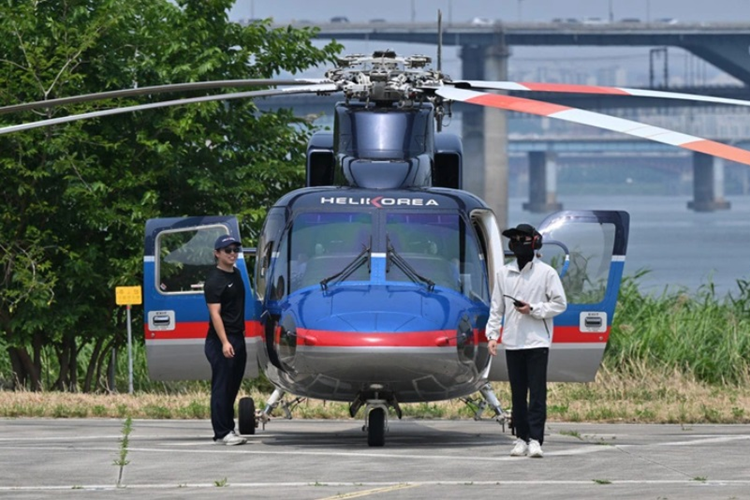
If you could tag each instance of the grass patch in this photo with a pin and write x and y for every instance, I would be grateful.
(680, 400)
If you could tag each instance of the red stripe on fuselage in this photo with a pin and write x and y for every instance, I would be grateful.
(327, 338)
(574, 335)
(198, 330)
(430, 338)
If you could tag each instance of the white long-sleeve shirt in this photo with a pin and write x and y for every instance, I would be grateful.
(537, 284)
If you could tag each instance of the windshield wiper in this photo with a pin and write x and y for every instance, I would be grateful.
(406, 268)
(352, 266)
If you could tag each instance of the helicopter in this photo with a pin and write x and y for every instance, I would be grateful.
(373, 281)
(371, 285)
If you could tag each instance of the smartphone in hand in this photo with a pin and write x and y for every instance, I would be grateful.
(516, 302)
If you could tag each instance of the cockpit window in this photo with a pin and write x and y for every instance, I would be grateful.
(321, 244)
(440, 247)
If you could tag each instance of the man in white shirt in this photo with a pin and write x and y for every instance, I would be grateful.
(528, 293)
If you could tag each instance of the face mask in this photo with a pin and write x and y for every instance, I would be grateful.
(522, 251)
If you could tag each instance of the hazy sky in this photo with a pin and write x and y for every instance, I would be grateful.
(510, 10)
(588, 58)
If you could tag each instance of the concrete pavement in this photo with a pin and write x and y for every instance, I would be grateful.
(422, 459)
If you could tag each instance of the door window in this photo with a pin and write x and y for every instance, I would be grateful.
(185, 256)
(590, 247)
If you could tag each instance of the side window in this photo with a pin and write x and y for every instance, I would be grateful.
(588, 262)
(269, 239)
(185, 258)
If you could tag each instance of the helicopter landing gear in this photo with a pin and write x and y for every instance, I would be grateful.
(249, 418)
(376, 423)
(246, 419)
(376, 414)
(489, 399)
(276, 401)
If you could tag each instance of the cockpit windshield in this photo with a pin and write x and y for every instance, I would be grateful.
(440, 247)
(321, 244)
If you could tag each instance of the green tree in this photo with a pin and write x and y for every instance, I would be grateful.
(75, 197)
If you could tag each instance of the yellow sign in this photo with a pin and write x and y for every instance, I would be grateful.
(128, 295)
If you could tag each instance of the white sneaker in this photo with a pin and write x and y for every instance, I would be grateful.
(232, 439)
(535, 449)
(519, 448)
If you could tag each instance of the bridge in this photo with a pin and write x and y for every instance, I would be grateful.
(724, 45)
(484, 53)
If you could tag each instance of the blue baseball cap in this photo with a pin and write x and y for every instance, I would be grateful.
(226, 240)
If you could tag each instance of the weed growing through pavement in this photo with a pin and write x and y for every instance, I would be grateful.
(574, 434)
(122, 461)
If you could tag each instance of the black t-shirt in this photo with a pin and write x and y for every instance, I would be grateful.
(228, 290)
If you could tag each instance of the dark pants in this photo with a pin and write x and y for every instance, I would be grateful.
(226, 378)
(527, 372)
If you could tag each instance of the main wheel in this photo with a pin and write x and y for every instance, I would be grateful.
(246, 418)
(376, 427)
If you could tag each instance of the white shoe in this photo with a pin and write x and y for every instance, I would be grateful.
(519, 449)
(232, 439)
(535, 449)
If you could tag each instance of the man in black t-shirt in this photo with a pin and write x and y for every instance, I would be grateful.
(225, 341)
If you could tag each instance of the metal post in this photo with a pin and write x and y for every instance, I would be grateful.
(651, 68)
(130, 355)
(112, 370)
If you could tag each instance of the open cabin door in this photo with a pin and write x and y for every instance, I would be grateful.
(588, 250)
(177, 257)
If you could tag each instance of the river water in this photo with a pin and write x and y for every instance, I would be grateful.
(682, 249)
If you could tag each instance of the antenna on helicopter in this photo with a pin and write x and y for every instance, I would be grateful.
(439, 115)
(440, 42)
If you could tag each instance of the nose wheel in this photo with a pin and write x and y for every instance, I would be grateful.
(376, 424)
(376, 403)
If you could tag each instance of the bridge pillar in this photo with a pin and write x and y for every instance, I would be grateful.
(542, 183)
(485, 131)
(708, 184)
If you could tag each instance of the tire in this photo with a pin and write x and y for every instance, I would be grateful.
(376, 428)
(246, 418)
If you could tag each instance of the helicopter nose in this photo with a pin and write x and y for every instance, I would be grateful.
(386, 321)
(378, 310)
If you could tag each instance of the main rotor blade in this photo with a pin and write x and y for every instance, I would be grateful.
(311, 89)
(575, 115)
(157, 89)
(594, 89)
